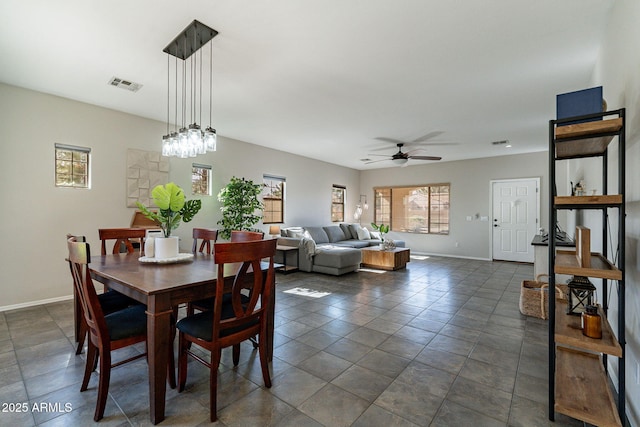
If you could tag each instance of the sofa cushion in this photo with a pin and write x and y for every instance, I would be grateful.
(335, 233)
(346, 230)
(354, 230)
(363, 234)
(352, 243)
(337, 257)
(317, 234)
(291, 232)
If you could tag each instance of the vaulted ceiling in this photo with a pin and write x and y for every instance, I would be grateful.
(325, 79)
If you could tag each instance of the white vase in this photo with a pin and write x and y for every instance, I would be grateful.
(166, 247)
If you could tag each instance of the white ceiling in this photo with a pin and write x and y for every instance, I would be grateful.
(325, 78)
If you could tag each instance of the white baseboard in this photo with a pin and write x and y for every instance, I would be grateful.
(35, 303)
(449, 256)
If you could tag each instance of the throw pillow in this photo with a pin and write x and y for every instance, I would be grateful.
(375, 235)
(363, 234)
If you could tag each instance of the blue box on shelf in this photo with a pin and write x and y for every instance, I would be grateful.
(579, 103)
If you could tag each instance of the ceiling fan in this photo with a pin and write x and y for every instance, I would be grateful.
(401, 158)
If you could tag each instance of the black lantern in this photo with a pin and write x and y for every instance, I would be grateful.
(581, 292)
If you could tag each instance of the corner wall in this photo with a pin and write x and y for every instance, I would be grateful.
(618, 71)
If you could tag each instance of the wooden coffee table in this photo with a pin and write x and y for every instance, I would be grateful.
(392, 259)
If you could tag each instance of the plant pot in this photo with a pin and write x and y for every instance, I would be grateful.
(166, 247)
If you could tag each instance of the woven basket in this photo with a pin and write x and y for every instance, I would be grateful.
(534, 296)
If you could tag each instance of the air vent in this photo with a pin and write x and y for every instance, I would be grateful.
(125, 84)
(503, 142)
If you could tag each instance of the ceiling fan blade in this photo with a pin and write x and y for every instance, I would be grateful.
(393, 141)
(428, 136)
(376, 161)
(385, 155)
(425, 157)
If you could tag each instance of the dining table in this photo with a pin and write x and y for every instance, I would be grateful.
(162, 287)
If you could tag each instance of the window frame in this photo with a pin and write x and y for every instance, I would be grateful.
(387, 214)
(266, 199)
(74, 150)
(194, 183)
(343, 189)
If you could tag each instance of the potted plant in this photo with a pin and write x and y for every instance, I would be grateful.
(240, 202)
(382, 229)
(173, 208)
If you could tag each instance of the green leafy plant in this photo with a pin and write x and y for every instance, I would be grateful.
(382, 228)
(239, 205)
(173, 207)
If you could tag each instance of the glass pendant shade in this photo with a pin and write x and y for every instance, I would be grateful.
(183, 143)
(166, 145)
(174, 145)
(210, 139)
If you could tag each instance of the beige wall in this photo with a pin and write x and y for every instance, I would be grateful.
(618, 71)
(470, 195)
(35, 215)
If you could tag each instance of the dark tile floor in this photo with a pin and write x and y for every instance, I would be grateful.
(441, 343)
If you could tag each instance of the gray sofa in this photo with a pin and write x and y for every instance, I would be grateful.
(333, 249)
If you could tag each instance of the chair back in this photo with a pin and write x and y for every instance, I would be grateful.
(79, 259)
(246, 236)
(208, 237)
(244, 317)
(122, 236)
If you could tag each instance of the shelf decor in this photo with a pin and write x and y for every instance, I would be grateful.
(581, 292)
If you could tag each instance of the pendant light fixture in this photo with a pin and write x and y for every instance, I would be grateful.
(189, 141)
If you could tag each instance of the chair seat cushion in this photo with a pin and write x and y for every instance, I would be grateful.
(200, 325)
(113, 301)
(126, 323)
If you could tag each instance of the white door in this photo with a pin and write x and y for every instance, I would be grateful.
(515, 218)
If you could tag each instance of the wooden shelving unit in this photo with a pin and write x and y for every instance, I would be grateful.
(575, 396)
(578, 380)
(569, 332)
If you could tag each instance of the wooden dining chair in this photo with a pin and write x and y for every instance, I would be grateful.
(110, 302)
(228, 325)
(109, 332)
(208, 237)
(124, 237)
(236, 236)
(246, 236)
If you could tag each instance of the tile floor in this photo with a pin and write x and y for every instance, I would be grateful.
(441, 343)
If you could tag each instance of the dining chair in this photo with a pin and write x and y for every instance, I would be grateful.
(208, 237)
(110, 302)
(228, 325)
(246, 236)
(122, 236)
(109, 332)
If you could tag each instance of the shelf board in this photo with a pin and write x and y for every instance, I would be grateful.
(585, 139)
(568, 332)
(582, 390)
(601, 268)
(595, 127)
(567, 202)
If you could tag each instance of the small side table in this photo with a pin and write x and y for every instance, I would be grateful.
(284, 250)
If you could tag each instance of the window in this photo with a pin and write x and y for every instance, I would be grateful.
(338, 195)
(201, 179)
(273, 199)
(72, 166)
(423, 209)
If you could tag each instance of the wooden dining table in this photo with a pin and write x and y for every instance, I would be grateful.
(162, 287)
